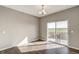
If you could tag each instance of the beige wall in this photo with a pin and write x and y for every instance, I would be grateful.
(16, 26)
(72, 15)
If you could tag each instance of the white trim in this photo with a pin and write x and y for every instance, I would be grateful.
(6, 48)
(73, 47)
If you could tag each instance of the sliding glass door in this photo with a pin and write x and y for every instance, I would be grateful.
(62, 32)
(51, 31)
(58, 32)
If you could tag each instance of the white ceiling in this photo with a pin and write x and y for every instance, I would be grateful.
(34, 9)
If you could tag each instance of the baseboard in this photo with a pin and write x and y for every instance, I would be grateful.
(70, 47)
(6, 48)
(73, 47)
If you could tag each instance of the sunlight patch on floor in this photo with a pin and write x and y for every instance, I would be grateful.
(38, 46)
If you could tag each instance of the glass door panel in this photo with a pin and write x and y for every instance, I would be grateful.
(58, 32)
(62, 32)
(51, 31)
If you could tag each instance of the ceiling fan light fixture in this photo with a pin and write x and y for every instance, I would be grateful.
(43, 11)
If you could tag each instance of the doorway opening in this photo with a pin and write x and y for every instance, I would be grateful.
(58, 32)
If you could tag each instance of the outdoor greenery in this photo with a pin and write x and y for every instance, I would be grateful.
(57, 30)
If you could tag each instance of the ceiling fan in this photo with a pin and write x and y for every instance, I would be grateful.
(43, 10)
